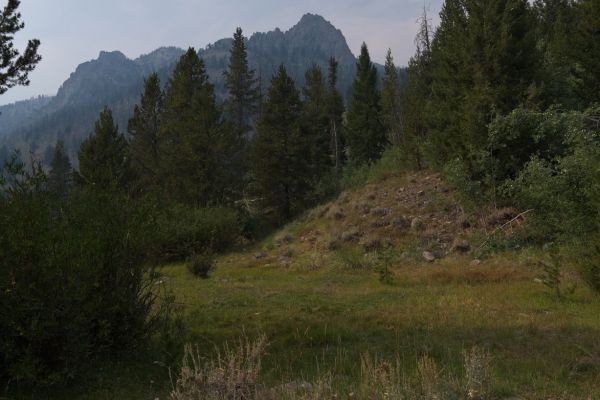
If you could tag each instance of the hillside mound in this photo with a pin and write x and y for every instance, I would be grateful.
(414, 217)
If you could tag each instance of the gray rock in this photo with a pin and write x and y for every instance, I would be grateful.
(429, 256)
(461, 246)
(417, 224)
(260, 256)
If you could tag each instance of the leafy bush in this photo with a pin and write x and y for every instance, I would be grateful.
(201, 264)
(184, 231)
(72, 279)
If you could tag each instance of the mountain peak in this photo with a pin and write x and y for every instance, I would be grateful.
(111, 55)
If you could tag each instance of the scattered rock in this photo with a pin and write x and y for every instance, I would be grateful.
(380, 212)
(401, 223)
(351, 235)
(371, 244)
(475, 263)
(417, 224)
(260, 256)
(460, 246)
(382, 223)
(336, 213)
(284, 239)
(429, 256)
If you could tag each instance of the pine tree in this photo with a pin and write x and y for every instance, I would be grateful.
(280, 150)
(242, 101)
(61, 173)
(586, 50)
(335, 111)
(365, 133)
(315, 122)
(144, 127)
(390, 100)
(14, 67)
(103, 156)
(195, 148)
(484, 65)
(415, 96)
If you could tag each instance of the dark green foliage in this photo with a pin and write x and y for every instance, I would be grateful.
(315, 124)
(365, 134)
(200, 265)
(390, 100)
(414, 98)
(280, 151)
(72, 282)
(561, 190)
(60, 175)
(242, 99)
(586, 50)
(103, 156)
(335, 111)
(183, 231)
(144, 126)
(484, 63)
(14, 67)
(196, 149)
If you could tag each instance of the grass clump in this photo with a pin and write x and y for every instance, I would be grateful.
(200, 265)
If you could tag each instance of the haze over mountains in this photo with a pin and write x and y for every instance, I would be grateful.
(116, 81)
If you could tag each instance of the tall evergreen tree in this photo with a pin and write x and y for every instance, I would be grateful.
(103, 156)
(316, 122)
(586, 50)
(144, 128)
(195, 148)
(415, 96)
(280, 150)
(484, 65)
(60, 174)
(14, 67)
(242, 100)
(335, 111)
(365, 133)
(390, 100)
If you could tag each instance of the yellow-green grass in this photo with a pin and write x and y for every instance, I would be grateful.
(322, 307)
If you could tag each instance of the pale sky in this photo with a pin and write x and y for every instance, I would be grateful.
(75, 31)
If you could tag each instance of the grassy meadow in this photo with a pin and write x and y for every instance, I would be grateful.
(316, 290)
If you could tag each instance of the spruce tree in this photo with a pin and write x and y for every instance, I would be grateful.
(390, 100)
(415, 96)
(280, 150)
(365, 133)
(586, 50)
(242, 91)
(60, 174)
(144, 128)
(315, 121)
(484, 61)
(14, 67)
(103, 156)
(195, 148)
(335, 111)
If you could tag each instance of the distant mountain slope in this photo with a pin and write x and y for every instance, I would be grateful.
(116, 81)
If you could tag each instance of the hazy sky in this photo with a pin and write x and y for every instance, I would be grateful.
(74, 31)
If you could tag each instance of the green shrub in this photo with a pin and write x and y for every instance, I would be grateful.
(184, 231)
(73, 282)
(201, 264)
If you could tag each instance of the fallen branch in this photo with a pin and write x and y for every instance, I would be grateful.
(487, 239)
